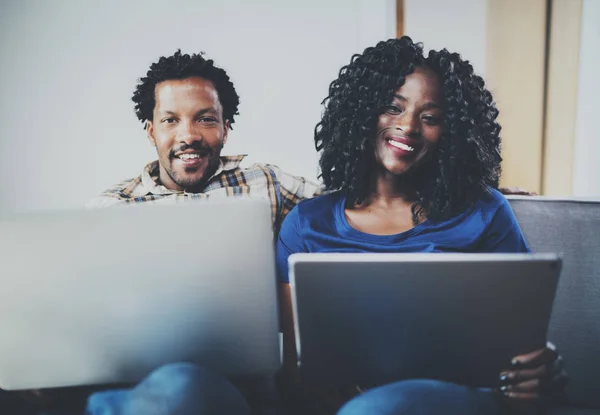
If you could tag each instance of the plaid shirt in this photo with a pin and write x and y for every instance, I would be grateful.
(283, 190)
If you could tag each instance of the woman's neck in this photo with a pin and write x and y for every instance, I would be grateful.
(390, 190)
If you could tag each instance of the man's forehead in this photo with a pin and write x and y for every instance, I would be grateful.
(186, 92)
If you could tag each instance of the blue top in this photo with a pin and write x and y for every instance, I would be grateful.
(320, 225)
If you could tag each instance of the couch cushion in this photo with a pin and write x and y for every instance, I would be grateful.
(574, 411)
(571, 228)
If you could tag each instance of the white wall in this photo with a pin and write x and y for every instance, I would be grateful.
(457, 25)
(586, 163)
(68, 69)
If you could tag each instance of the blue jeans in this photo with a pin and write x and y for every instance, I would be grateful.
(174, 389)
(423, 397)
(187, 389)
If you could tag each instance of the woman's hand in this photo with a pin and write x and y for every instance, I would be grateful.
(534, 377)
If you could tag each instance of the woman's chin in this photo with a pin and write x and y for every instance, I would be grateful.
(398, 170)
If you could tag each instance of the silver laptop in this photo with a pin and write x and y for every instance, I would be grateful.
(103, 296)
(370, 319)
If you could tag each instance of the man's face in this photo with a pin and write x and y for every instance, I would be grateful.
(188, 132)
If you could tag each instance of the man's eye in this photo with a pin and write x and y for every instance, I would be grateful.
(169, 120)
(207, 120)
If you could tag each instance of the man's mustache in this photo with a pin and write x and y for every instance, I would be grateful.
(198, 146)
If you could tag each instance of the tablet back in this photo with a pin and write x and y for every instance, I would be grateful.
(370, 319)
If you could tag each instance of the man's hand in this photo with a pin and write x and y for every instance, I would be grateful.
(37, 397)
(534, 376)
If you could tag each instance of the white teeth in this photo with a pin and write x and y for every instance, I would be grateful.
(401, 145)
(189, 156)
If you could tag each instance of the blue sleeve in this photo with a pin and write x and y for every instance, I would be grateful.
(503, 233)
(289, 242)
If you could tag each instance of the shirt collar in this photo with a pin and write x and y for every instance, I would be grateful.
(150, 182)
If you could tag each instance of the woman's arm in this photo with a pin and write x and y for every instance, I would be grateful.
(539, 375)
(290, 354)
(289, 242)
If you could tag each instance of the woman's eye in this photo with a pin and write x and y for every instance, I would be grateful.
(431, 120)
(392, 109)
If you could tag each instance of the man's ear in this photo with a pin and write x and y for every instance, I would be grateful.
(227, 126)
(150, 132)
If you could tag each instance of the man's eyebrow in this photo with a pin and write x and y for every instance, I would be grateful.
(208, 110)
(198, 113)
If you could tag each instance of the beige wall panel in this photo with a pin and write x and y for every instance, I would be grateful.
(515, 72)
(561, 101)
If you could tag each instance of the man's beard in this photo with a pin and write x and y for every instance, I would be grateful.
(195, 185)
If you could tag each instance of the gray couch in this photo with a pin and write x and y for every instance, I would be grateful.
(572, 228)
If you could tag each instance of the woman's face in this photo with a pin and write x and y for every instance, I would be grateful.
(411, 125)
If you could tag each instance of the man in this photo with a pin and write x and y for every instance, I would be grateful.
(188, 106)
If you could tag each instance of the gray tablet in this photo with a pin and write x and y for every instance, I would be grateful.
(371, 319)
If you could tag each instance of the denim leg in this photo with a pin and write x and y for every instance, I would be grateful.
(423, 397)
(174, 389)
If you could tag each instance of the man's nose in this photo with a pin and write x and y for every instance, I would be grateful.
(188, 132)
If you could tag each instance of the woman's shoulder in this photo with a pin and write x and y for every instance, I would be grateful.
(492, 203)
(313, 213)
(491, 200)
(320, 204)
(484, 208)
(318, 208)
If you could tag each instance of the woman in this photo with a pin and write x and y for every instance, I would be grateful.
(410, 149)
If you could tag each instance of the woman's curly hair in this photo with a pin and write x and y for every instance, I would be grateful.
(181, 66)
(464, 164)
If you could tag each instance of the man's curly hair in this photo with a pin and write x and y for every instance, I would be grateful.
(181, 66)
(466, 160)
